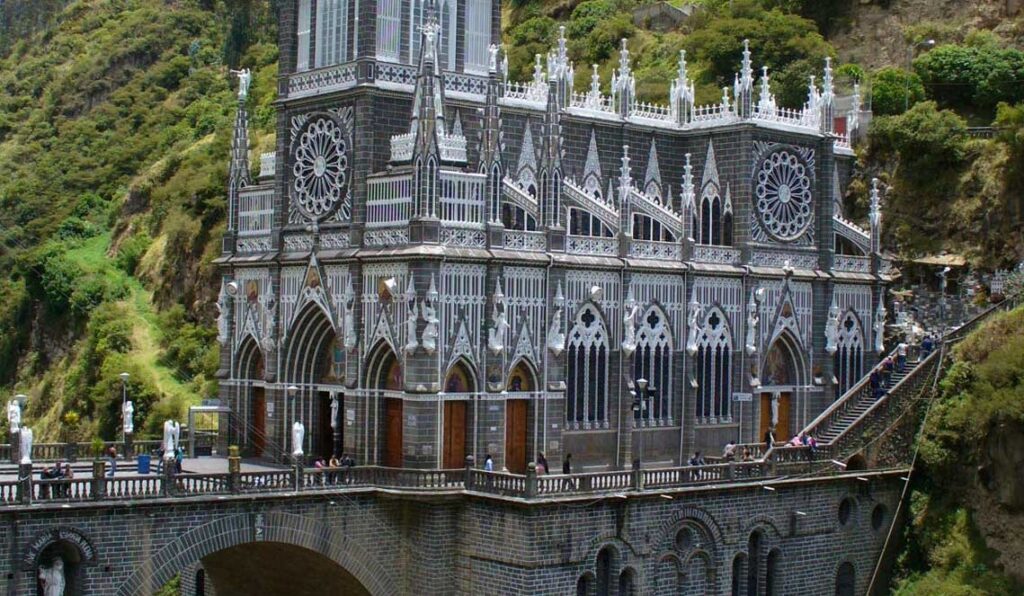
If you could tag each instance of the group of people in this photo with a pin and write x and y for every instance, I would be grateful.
(729, 453)
(334, 470)
(59, 471)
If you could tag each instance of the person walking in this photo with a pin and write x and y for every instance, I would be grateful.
(112, 459)
(876, 384)
(567, 470)
(488, 463)
(927, 345)
(769, 439)
(887, 366)
(542, 464)
(729, 453)
(901, 356)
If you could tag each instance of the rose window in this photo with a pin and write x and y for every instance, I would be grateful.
(321, 168)
(783, 195)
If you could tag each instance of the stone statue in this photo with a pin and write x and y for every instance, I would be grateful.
(127, 411)
(410, 328)
(499, 318)
(350, 318)
(244, 80)
(172, 432)
(334, 412)
(14, 415)
(429, 312)
(775, 409)
(51, 579)
(693, 322)
(26, 445)
(556, 338)
(223, 305)
(880, 327)
(269, 340)
(753, 320)
(493, 61)
(298, 433)
(630, 313)
(832, 329)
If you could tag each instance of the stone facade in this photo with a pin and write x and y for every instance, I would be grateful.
(797, 537)
(465, 262)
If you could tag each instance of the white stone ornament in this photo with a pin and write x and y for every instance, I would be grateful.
(320, 171)
(775, 409)
(880, 314)
(832, 329)
(298, 434)
(556, 337)
(693, 323)
(223, 305)
(499, 322)
(429, 312)
(348, 300)
(14, 415)
(127, 414)
(630, 314)
(411, 318)
(753, 320)
(25, 443)
(782, 196)
(334, 411)
(172, 433)
(244, 81)
(51, 578)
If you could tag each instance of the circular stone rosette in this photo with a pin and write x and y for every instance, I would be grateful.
(782, 196)
(320, 170)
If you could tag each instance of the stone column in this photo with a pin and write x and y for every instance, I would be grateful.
(234, 470)
(99, 484)
(15, 446)
(25, 483)
(129, 445)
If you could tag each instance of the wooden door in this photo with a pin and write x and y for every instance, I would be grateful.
(454, 434)
(515, 435)
(393, 433)
(325, 436)
(782, 428)
(259, 421)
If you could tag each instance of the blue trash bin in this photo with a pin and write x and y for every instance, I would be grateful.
(144, 460)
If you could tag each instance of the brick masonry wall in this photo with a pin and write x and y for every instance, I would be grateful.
(473, 545)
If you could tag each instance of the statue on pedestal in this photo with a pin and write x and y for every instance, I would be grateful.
(334, 412)
(172, 432)
(26, 445)
(14, 415)
(127, 411)
(51, 579)
(298, 433)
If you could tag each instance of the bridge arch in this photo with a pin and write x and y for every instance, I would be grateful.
(305, 532)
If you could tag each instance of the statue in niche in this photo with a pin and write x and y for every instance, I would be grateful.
(430, 332)
(630, 313)
(556, 338)
(775, 409)
(51, 579)
(499, 318)
(753, 320)
(694, 326)
(350, 318)
(334, 411)
(832, 330)
(223, 304)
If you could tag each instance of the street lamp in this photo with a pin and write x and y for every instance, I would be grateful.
(641, 398)
(928, 43)
(124, 400)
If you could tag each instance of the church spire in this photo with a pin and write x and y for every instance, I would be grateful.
(491, 140)
(623, 84)
(681, 94)
(238, 172)
(744, 86)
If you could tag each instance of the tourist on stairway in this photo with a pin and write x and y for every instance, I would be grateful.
(901, 356)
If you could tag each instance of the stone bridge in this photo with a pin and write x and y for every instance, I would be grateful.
(455, 533)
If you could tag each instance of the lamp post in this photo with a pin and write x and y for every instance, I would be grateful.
(124, 400)
(910, 57)
(641, 399)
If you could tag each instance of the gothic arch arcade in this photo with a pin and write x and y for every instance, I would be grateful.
(522, 380)
(252, 398)
(384, 380)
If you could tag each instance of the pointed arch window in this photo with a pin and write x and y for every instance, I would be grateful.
(586, 395)
(331, 32)
(714, 369)
(389, 29)
(848, 361)
(714, 218)
(582, 223)
(478, 36)
(514, 217)
(302, 35)
(653, 361)
(646, 227)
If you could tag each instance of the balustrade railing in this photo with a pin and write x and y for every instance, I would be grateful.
(585, 483)
(62, 490)
(653, 249)
(462, 199)
(388, 201)
(134, 487)
(522, 240)
(592, 245)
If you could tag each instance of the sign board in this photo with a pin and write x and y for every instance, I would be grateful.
(743, 397)
(270, 409)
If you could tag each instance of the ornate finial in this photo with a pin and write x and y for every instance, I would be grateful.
(826, 81)
(682, 75)
(538, 71)
(766, 102)
(595, 82)
(747, 74)
(725, 99)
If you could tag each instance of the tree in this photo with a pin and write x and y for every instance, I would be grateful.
(893, 89)
(972, 77)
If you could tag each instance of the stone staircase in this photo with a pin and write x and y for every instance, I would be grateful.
(856, 419)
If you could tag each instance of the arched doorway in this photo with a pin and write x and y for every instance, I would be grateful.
(277, 569)
(520, 380)
(460, 381)
(384, 374)
(627, 582)
(754, 546)
(603, 571)
(60, 563)
(308, 360)
(251, 407)
(772, 583)
(739, 574)
(846, 580)
(780, 380)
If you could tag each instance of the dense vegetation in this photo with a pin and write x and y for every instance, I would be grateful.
(115, 125)
(964, 473)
